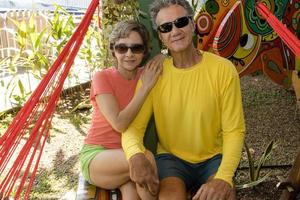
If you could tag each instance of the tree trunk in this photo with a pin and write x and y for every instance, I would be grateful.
(296, 85)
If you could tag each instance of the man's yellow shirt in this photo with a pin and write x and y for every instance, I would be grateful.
(198, 114)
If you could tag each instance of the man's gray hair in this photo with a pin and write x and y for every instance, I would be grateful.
(157, 5)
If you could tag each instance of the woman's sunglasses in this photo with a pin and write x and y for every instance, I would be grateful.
(179, 23)
(135, 48)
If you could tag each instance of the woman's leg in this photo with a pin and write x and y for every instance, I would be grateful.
(109, 169)
(128, 191)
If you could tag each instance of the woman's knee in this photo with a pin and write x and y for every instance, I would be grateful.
(107, 169)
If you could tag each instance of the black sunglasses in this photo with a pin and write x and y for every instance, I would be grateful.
(135, 48)
(179, 23)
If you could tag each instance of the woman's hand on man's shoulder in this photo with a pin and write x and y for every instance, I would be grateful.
(152, 70)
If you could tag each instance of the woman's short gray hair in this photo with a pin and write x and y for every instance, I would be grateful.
(122, 30)
(157, 5)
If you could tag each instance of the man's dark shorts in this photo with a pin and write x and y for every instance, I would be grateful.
(193, 174)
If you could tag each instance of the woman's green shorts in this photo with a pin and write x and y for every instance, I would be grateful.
(87, 154)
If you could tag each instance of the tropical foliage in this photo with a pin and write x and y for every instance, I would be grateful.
(37, 50)
(112, 13)
(256, 166)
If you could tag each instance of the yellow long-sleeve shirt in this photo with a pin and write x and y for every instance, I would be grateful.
(198, 114)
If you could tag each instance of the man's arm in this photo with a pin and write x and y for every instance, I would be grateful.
(132, 137)
(233, 126)
(141, 170)
(233, 131)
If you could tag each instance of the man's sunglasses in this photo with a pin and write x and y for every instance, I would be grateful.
(135, 48)
(179, 23)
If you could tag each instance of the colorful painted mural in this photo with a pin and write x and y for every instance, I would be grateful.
(235, 30)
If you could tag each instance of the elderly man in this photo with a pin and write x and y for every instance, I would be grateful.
(198, 114)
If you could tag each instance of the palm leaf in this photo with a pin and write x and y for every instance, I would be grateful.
(251, 163)
(253, 183)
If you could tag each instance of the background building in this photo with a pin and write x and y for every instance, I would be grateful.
(42, 4)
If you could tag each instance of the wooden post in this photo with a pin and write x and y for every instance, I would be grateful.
(296, 85)
(292, 182)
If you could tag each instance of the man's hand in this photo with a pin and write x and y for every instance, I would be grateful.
(142, 172)
(215, 189)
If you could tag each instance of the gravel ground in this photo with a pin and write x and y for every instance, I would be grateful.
(271, 114)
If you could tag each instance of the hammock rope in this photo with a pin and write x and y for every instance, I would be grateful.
(283, 32)
(34, 120)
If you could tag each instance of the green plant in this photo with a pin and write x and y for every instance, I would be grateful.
(36, 51)
(112, 13)
(43, 184)
(28, 57)
(195, 4)
(62, 26)
(91, 47)
(255, 167)
(5, 121)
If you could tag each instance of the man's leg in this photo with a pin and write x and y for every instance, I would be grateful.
(172, 188)
(175, 177)
(207, 171)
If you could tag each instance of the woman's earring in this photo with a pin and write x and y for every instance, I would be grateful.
(164, 50)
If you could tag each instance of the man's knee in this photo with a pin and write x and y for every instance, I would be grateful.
(172, 188)
(172, 194)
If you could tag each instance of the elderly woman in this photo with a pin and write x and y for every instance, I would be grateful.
(103, 162)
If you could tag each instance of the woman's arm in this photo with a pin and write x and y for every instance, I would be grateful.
(120, 119)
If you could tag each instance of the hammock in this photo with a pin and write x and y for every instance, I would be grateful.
(287, 37)
(34, 120)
